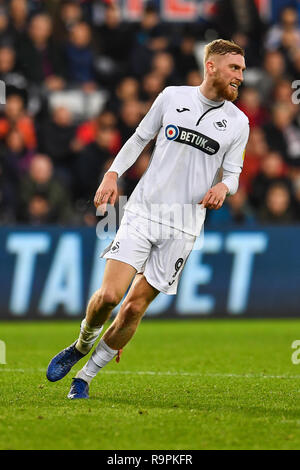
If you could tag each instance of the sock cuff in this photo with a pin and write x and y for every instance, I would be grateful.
(103, 354)
(107, 348)
(84, 325)
(82, 374)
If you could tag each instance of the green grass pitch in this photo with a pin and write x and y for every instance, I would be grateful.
(180, 385)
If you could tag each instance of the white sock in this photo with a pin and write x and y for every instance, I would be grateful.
(87, 337)
(102, 355)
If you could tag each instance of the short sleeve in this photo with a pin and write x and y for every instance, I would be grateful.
(234, 157)
(152, 122)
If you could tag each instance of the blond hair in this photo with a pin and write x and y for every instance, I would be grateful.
(221, 47)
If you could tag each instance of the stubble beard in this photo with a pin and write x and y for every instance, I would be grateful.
(224, 90)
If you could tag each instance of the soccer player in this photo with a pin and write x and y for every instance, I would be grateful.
(199, 131)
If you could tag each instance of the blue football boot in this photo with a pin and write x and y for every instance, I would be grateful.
(63, 362)
(79, 389)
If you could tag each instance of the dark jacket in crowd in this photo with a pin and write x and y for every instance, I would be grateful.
(88, 170)
(37, 65)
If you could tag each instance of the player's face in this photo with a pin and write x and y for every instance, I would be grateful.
(227, 75)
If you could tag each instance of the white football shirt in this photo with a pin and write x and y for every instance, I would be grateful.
(195, 138)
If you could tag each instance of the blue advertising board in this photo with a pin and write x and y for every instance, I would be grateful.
(51, 273)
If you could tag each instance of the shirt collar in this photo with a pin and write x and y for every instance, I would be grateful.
(207, 101)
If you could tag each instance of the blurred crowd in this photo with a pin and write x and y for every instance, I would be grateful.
(79, 78)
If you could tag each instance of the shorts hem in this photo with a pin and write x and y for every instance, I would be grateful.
(160, 289)
(123, 260)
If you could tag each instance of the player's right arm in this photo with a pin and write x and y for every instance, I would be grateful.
(107, 191)
(129, 153)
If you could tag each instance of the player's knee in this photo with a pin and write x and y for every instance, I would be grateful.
(133, 311)
(108, 298)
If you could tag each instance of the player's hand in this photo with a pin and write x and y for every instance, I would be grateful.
(215, 196)
(107, 192)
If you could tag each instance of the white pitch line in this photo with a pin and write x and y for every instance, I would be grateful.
(169, 373)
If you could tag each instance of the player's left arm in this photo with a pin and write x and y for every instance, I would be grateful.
(232, 167)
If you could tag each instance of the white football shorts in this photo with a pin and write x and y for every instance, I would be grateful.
(158, 251)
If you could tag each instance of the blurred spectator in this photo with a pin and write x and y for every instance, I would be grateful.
(15, 157)
(115, 38)
(130, 116)
(43, 199)
(282, 134)
(85, 209)
(8, 198)
(241, 18)
(185, 59)
(296, 191)
(250, 104)
(15, 82)
(295, 64)
(277, 207)
(15, 116)
(274, 69)
(272, 170)
(194, 78)
(240, 210)
(232, 17)
(18, 11)
(127, 89)
(39, 210)
(67, 15)
(282, 93)
(274, 65)
(289, 22)
(40, 59)
(151, 27)
(89, 164)
(236, 210)
(6, 37)
(164, 66)
(151, 37)
(54, 139)
(87, 132)
(252, 48)
(290, 45)
(7, 59)
(153, 84)
(256, 150)
(80, 55)
(277, 7)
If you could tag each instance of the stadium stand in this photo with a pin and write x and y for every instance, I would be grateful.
(79, 78)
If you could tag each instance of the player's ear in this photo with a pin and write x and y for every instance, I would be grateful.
(210, 66)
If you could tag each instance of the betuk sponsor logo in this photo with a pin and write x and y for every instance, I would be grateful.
(193, 138)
